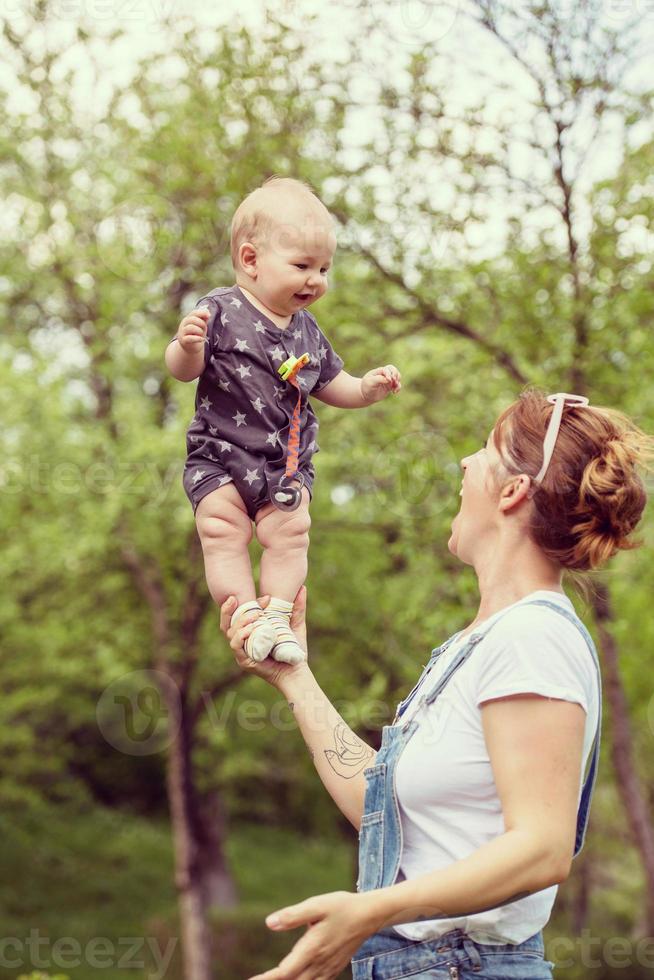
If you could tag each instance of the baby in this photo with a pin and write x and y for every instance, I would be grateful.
(252, 438)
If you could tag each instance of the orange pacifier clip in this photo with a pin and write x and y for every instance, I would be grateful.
(285, 496)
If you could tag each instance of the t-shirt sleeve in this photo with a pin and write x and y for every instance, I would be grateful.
(213, 326)
(330, 362)
(536, 652)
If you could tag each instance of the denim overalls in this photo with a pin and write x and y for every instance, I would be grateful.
(388, 955)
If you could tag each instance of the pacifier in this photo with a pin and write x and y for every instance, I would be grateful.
(285, 496)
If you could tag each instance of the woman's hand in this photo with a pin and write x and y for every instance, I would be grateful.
(337, 924)
(271, 670)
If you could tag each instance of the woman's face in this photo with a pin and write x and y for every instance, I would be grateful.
(477, 517)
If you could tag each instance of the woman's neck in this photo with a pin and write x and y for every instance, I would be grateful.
(507, 578)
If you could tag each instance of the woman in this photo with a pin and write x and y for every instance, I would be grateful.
(470, 813)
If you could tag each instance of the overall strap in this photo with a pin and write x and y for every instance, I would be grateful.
(433, 657)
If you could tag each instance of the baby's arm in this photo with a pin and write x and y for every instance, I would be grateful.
(185, 355)
(346, 391)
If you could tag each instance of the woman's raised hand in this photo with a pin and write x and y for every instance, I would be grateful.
(271, 670)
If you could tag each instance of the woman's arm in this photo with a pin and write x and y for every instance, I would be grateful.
(535, 747)
(338, 754)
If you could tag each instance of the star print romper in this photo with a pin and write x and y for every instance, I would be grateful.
(239, 433)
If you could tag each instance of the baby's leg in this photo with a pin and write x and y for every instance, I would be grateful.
(284, 536)
(225, 530)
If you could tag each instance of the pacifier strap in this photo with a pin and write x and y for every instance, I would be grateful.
(289, 370)
(293, 448)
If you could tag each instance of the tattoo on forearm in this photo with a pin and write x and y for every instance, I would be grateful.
(351, 755)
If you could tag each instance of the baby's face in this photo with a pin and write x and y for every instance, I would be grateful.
(293, 263)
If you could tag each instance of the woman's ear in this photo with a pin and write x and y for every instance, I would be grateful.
(514, 492)
(247, 255)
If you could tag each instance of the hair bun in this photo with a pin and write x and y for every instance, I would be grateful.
(611, 501)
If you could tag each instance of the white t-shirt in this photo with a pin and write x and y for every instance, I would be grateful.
(448, 801)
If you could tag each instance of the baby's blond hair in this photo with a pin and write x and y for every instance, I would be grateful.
(255, 215)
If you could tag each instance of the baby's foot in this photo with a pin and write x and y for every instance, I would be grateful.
(286, 649)
(262, 638)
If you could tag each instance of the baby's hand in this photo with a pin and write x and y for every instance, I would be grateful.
(193, 329)
(380, 382)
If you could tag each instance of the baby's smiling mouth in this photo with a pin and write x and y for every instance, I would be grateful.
(304, 296)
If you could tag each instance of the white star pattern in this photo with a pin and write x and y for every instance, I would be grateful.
(213, 430)
(240, 345)
(251, 476)
(225, 319)
(224, 385)
(312, 445)
(257, 404)
(223, 480)
(236, 302)
(302, 382)
(239, 418)
(322, 352)
(272, 438)
(297, 334)
(205, 403)
(214, 459)
(194, 439)
(277, 354)
(259, 327)
(278, 391)
(197, 476)
(243, 371)
(225, 447)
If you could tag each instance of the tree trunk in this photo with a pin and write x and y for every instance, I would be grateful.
(217, 883)
(580, 902)
(196, 953)
(198, 822)
(629, 787)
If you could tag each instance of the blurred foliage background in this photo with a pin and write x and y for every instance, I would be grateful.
(489, 166)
